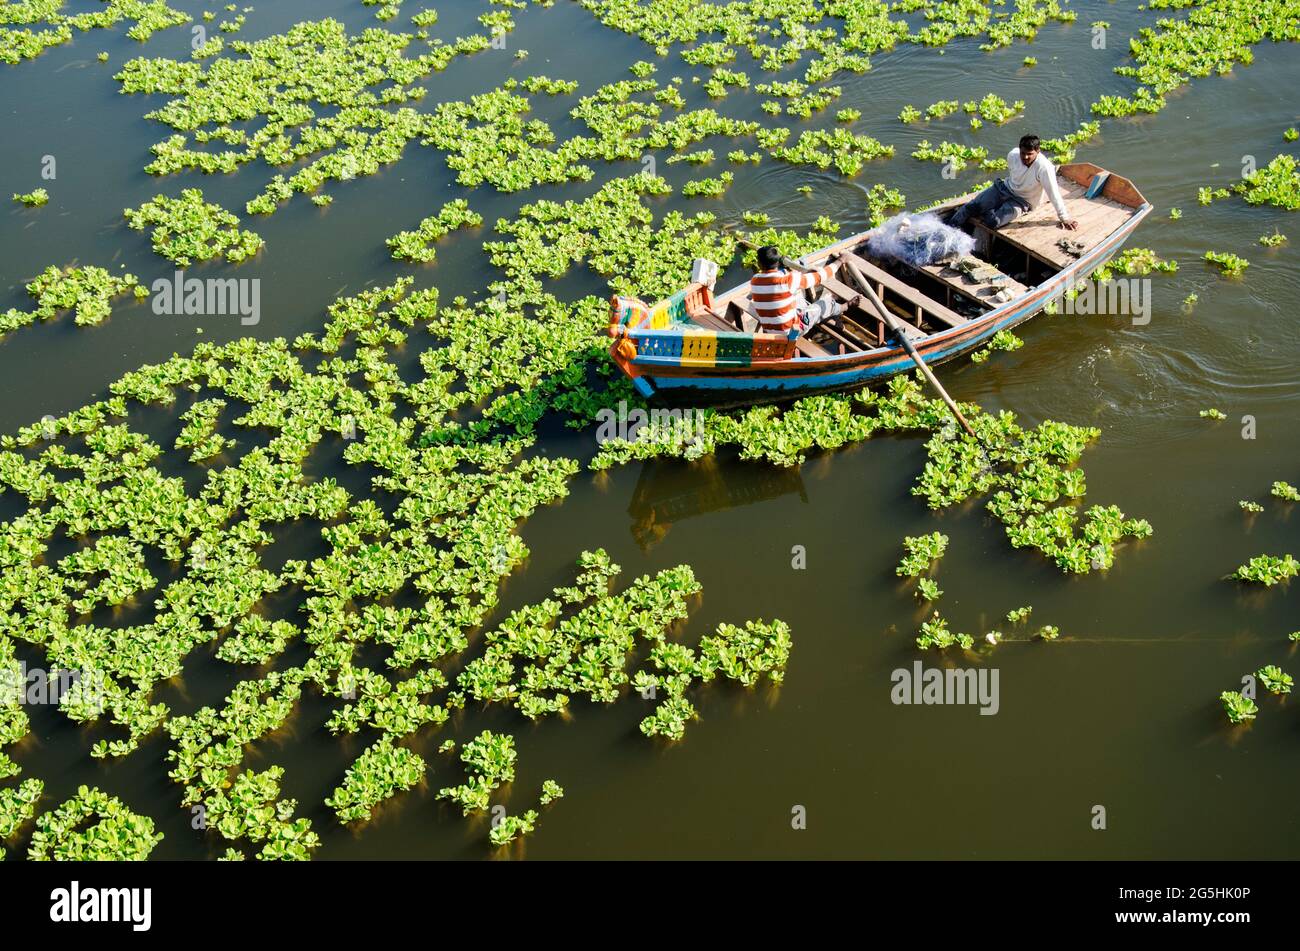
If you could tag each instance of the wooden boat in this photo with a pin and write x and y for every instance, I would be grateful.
(698, 348)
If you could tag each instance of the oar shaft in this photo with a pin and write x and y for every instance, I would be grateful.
(894, 325)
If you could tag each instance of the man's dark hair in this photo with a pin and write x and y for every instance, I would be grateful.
(1029, 143)
(768, 257)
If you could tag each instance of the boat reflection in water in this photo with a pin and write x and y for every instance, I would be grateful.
(668, 491)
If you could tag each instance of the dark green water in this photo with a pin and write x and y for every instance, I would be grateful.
(1121, 712)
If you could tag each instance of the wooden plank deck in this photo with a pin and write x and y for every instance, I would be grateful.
(1038, 231)
(957, 282)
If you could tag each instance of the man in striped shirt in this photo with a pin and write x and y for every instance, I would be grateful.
(774, 291)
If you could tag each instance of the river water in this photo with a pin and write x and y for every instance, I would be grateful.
(1121, 712)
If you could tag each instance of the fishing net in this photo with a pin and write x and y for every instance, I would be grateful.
(919, 240)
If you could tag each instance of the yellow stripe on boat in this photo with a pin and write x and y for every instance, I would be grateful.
(699, 348)
(659, 316)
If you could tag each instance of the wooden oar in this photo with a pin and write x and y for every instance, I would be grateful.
(894, 325)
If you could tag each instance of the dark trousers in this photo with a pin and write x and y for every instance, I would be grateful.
(996, 206)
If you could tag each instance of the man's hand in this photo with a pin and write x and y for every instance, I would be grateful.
(1069, 224)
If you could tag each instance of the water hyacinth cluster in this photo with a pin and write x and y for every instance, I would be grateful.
(463, 488)
(417, 245)
(580, 641)
(32, 199)
(1134, 261)
(380, 772)
(1268, 570)
(841, 35)
(18, 41)
(489, 761)
(187, 229)
(313, 93)
(922, 552)
(87, 291)
(1229, 264)
(1276, 184)
(1003, 340)
(117, 834)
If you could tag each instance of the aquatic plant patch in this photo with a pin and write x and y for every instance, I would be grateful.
(1238, 707)
(187, 229)
(1285, 490)
(34, 198)
(87, 291)
(417, 245)
(117, 834)
(145, 16)
(379, 773)
(1277, 184)
(922, 552)
(312, 93)
(1229, 264)
(1268, 570)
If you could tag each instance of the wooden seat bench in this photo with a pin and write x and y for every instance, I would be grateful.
(922, 305)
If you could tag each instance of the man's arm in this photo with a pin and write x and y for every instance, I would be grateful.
(807, 280)
(1047, 175)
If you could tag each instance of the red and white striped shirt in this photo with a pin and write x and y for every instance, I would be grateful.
(773, 294)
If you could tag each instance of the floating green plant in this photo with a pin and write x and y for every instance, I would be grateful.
(1285, 490)
(508, 828)
(34, 198)
(1277, 184)
(1020, 615)
(1274, 679)
(936, 633)
(1003, 340)
(993, 108)
(146, 17)
(189, 229)
(1238, 707)
(1230, 265)
(489, 762)
(942, 108)
(956, 156)
(88, 291)
(1135, 261)
(417, 245)
(922, 552)
(118, 834)
(379, 773)
(1213, 413)
(1274, 240)
(1268, 570)
(836, 147)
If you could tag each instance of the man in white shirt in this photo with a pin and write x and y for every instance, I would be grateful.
(1030, 175)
